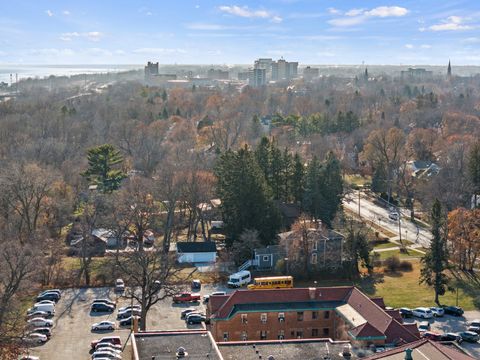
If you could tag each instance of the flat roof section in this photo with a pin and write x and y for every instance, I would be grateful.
(161, 345)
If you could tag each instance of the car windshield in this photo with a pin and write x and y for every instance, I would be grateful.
(233, 280)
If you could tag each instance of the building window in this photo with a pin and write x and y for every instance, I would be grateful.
(292, 333)
(263, 335)
(244, 319)
(263, 318)
(326, 315)
(244, 336)
(313, 258)
(300, 316)
(299, 334)
(314, 315)
(281, 317)
(315, 245)
(266, 258)
(225, 336)
(314, 332)
(281, 335)
(326, 331)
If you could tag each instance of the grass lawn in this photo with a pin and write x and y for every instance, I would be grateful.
(403, 290)
(385, 245)
(357, 180)
(411, 254)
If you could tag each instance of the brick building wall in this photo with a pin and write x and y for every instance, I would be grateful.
(272, 326)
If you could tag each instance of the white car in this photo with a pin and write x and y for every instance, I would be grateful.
(40, 322)
(125, 308)
(35, 338)
(45, 302)
(103, 325)
(422, 312)
(437, 311)
(28, 357)
(108, 347)
(106, 354)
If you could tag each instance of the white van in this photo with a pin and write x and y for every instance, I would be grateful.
(239, 279)
(48, 308)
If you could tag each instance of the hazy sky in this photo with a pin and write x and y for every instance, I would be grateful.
(208, 31)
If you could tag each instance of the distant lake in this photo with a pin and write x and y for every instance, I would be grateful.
(41, 71)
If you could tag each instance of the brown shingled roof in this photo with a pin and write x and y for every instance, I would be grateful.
(365, 330)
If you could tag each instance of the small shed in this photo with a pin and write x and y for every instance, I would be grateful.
(196, 252)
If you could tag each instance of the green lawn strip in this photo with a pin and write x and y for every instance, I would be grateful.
(411, 254)
(385, 245)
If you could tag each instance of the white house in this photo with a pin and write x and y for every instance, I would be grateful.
(107, 236)
(196, 252)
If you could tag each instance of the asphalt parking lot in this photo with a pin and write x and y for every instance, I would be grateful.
(71, 333)
(448, 323)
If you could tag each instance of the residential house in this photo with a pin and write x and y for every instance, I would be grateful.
(196, 252)
(108, 237)
(312, 249)
(420, 168)
(267, 258)
(338, 313)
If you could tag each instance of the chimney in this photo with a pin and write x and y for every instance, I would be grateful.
(311, 293)
(408, 354)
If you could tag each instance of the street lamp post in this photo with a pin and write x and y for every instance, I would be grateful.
(286, 265)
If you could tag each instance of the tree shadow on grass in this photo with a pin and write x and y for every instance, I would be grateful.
(368, 282)
(469, 282)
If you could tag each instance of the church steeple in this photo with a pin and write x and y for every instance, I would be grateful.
(449, 70)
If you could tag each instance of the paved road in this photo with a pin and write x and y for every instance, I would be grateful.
(379, 216)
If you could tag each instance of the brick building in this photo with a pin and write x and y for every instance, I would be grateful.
(339, 313)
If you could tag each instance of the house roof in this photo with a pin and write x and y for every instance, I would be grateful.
(196, 247)
(424, 349)
(349, 302)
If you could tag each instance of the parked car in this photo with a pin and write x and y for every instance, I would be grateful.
(129, 312)
(474, 323)
(101, 307)
(105, 301)
(437, 311)
(195, 319)
(393, 216)
(128, 321)
(122, 309)
(469, 336)
(107, 339)
(43, 330)
(206, 298)
(451, 337)
(40, 322)
(423, 326)
(106, 345)
(103, 354)
(56, 291)
(28, 357)
(422, 312)
(103, 325)
(35, 338)
(430, 335)
(45, 302)
(475, 329)
(119, 286)
(34, 314)
(48, 296)
(406, 313)
(196, 285)
(187, 311)
(48, 308)
(453, 310)
(186, 297)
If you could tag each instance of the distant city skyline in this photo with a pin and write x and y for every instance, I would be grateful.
(224, 32)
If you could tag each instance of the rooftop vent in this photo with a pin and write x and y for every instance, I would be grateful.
(181, 353)
(408, 354)
(270, 357)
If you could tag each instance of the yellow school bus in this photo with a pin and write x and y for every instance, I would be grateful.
(273, 282)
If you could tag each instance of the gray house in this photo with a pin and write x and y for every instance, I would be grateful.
(266, 258)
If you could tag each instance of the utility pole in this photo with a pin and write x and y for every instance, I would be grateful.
(400, 227)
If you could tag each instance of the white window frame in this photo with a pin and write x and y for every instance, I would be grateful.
(314, 259)
(266, 257)
(244, 318)
(315, 245)
(281, 317)
(263, 318)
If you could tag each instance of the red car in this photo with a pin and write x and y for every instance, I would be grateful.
(430, 335)
(115, 340)
(186, 297)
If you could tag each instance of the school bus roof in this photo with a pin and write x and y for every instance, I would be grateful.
(272, 278)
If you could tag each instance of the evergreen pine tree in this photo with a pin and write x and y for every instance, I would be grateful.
(474, 170)
(298, 179)
(435, 261)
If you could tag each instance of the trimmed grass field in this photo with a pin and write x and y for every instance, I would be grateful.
(411, 254)
(402, 289)
(385, 245)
